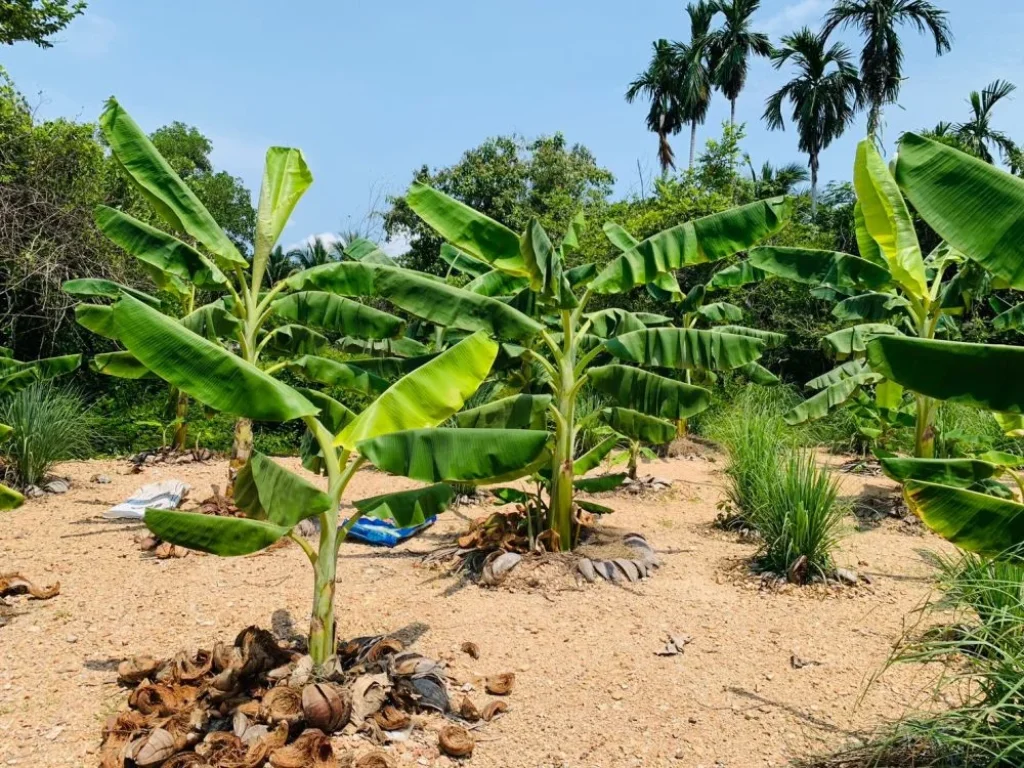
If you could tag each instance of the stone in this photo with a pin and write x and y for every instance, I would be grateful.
(846, 576)
(59, 485)
(100, 479)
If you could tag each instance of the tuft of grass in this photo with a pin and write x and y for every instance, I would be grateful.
(50, 425)
(801, 516)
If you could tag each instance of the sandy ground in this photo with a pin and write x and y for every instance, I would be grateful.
(590, 689)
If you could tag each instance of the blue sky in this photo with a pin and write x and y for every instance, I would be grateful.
(372, 90)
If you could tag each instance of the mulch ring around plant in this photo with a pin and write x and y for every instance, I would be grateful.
(168, 455)
(879, 506)
(259, 702)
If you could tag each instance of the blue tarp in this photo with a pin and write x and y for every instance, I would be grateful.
(383, 533)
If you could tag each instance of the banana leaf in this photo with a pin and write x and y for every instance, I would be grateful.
(408, 508)
(959, 473)
(515, 412)
(854, 340)
(286, 177)
(649, 393)
(323, 370)
(679, 348)
(98, 318)
(820, 268)
(123, 365)
(97, 287)
(264, 490)
(338, 314)
(463, 262)
(973, 521)
(224, 536)
(830, 397)
(639, 426)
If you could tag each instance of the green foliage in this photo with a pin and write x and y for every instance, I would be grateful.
(50, 425)
(34, 21)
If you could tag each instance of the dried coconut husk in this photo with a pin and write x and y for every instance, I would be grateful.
(375, 759)
(282, 704)
(260, 652)
(184, 668)
(222, 748)
(152, 748)
(311, 750)
(471, 649)
(500, 685)
(368, 695)
(136, 669)
(186, 760)
(493, 709)
(15, 583)
(162, 700)
(455, 741)
(326, 706)
(165, 551)
(117, 733)
(468, 709)
(391, 718)
(386, 646)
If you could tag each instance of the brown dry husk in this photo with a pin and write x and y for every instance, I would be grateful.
(16, 583)
(258, 703)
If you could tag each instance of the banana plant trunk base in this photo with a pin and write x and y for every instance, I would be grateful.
(279, 707)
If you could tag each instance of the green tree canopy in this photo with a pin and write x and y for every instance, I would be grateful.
(34, 21)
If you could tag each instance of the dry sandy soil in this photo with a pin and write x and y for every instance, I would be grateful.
(590, 690)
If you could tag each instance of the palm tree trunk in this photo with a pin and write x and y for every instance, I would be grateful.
(814, 186)
(732, 112)
(874, 118)
(693, 141)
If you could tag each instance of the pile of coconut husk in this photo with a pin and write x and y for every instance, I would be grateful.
(15, 583)
(618, 570)
(168, 455)
(645, 484)
(259, 702)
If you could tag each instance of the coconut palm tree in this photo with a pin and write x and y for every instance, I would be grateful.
(825, 94)
(660, 83)
(314, 254)
(730, 48)
(695, 70)
(881, 59)
(772, 181)
(977, 134)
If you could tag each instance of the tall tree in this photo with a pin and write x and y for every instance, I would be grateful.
(772, 182)
(695, 75)
(661, 84)
(731, 46)
(34, 21)
(824, 93)
(881, 59)
(977, 134)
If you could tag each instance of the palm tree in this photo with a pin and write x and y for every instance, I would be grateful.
(977, 134)
(731, 47)
(313, 254)
(279, 266)
(881, 60)
(772, 181)
(825, 95)
(695, 70)
(660, 83)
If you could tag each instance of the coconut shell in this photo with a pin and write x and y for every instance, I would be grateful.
(455, 741)
(375, 759)
(311, 750)
(586, 569)
(282, 704)
(153, 749)
(221, 747)
(186, 760)
(136, 669)
(628, 569)
(471, 649)
(493, 709)
(500, 685)
(391, 718)
(15, 583)
(326, 706)
(468, 710)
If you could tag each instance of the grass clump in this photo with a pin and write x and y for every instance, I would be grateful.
(50, 425)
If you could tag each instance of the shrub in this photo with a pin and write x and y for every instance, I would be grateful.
(50, 425)
(800, 516)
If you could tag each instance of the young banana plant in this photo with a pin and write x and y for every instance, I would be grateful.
(396, 433)
(979, 210)
(890, 289)
(195, 258)
(532, 274)
(15, 375)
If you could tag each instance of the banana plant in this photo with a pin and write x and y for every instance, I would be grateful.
(979, 210)
(531, 273)
(890, 289)
(396, 433)
(194, 257)
(15, 375)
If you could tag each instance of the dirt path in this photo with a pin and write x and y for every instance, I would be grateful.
(590, 690)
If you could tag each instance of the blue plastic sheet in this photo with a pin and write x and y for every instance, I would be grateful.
(384, 533)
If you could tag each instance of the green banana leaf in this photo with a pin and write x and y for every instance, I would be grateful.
(959, 473)
(973, 206)
(854, 340)
(599, 484)
(348, 375)
(736, 276)
(468, 230)
(593, 507)
(428, 395)
(408, 508)
(758, 374)
(421, 296)
(837, 374)
(869, 307)
(288, 340)
(608, 323)
(652, 319)
(15, 382)
(867, 248)
(639, 426)
(887, 219)
(619, 236)
(203, 369)
(224, 536)
(123, 365)
(159, 250)
(720, 312)
(665, 288)
(161, 186)
(458, 455)
(581, 275)
(830, 397)
(264, 490)
(392, 367)
(286, 177)
(496, 283)
(515, 412)
(649, 393)
(98, 318)
(213, 321)
(400, 347)
(982, 375)
(329, 312)
(593, 458)
(10, 498)
(693, 300)
(770, 338)
(695, 242)
(975, 522)
(368, 251)
(97, 287)
(1010, 319)
(679, 348)
(333, 415)
(463, 262)
(820, 268)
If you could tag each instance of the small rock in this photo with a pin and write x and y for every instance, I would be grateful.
(34, 492)
(846, 576)
(60, 485)
(101, 479)
(72, 638)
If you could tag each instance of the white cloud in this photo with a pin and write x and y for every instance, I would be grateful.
(90, 36)
(792, 16)
(396, 246)
(327, 238)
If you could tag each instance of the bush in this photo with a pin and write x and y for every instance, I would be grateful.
(50, 425)
(800, 517)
